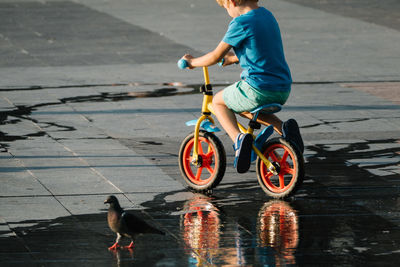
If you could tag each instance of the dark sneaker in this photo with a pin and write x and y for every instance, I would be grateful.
(291, 132)
(242, 148)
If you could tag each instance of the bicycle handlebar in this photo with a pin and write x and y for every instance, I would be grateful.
(183, 64)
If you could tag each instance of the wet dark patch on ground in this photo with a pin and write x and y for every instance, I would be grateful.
(347, 213)
(10, 138)
(232, 227)
(356, 164)
(79, 239)
(114, 97)
(333, 122)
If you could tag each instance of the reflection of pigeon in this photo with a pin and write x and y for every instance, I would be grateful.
(125, 224)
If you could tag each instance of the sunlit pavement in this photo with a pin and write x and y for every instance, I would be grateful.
(92, 104)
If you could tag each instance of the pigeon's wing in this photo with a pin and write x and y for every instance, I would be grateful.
(135, 225)
(113, 219)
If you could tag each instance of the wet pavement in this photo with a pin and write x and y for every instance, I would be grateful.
(79, 124)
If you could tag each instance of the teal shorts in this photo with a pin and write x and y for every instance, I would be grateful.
(241, 97)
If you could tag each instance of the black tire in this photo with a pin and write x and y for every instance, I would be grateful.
(212, 164)
(290, 165)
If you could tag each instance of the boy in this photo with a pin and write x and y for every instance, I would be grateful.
(255, 38)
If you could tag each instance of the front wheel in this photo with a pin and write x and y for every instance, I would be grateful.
(211, 165)
(289, 164)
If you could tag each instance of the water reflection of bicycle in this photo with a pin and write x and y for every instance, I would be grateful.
(277, 232)
(203, 232)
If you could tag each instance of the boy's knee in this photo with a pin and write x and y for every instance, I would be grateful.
(218, 99)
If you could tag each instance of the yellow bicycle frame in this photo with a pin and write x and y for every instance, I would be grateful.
(206, 111)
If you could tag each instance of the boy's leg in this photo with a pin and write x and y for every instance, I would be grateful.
(266, 119)
(288, 129)
(242, 142)
(226, 117)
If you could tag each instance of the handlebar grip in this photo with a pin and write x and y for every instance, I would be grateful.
(182, 64)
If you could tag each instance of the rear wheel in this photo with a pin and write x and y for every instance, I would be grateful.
(210, 169)
(289, 164)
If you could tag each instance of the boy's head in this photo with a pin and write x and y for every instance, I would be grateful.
(237, 2)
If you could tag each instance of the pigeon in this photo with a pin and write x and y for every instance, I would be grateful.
(126, 224)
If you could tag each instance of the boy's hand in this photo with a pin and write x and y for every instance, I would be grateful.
(230, 58)
(188, 59)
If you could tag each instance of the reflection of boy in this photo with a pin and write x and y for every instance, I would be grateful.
(256, 40)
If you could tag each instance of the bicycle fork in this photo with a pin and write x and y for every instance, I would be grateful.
(206, 111)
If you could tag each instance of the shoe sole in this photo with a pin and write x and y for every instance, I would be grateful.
(244, 158)
(293, 134)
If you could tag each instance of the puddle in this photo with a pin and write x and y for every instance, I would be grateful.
(368, 164)
(214, 238)
(234, 228)
(199, 234)
(82, 240)
(323, 224)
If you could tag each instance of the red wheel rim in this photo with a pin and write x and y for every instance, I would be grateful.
(281, 155)
(205, 173)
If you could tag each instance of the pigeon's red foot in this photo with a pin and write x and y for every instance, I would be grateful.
(114, 247)
(130, 246)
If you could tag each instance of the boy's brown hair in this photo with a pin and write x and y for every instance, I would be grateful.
(238, 2)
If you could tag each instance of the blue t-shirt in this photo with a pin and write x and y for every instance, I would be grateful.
(257, 42)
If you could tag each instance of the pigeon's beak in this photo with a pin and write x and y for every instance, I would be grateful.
(106, 201)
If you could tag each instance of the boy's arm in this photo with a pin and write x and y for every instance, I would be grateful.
(209, 59)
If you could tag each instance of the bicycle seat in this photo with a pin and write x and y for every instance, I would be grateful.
(267, 109)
